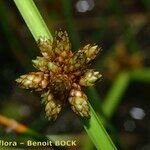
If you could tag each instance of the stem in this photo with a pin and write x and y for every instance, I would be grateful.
(96, 132)
(141, 75)
(94, 99)
(20, 128)
(12, 124)
(38, 28)
(33, 19)
(120, 85)
(115, 93)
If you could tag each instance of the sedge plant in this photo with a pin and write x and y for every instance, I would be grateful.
(38, 28)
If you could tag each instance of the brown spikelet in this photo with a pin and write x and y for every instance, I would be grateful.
(89, 78)
(90, 52)
(76, 62)
(41, 63)
(78, 101)
(52, 106)
(45, 45)
(33, 80)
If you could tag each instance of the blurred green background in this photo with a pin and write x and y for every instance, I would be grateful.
(122, 29)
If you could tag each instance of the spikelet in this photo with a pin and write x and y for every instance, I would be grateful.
(45, 45)
(89, 78)
(62, 46)
(77, 61)
(79, 104)
(52, 106)
(61, 42)
(52, 66)
(41, 63)
(90, 52)
(33, 80)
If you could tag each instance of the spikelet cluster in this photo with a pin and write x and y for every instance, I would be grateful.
(121, 60)
(61, 75)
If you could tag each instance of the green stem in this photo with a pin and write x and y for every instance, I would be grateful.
(94, 99)
(33, 19)
(141, 75)
(38, 28)
(115, 93)
(96, 132)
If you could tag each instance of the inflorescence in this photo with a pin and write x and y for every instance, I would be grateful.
(61, 75)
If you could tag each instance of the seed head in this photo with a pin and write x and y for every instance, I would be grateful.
(121, 60)
(61, 75)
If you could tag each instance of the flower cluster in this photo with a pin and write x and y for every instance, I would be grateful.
(121, 60)
(61, 75)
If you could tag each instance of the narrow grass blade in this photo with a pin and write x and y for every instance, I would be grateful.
(141, 75)
(96, 132)
(94, 99)
(33, 18)
(115, 93)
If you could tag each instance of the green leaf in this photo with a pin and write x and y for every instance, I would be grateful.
(115, 94)
(33, 18)
(96, 132)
